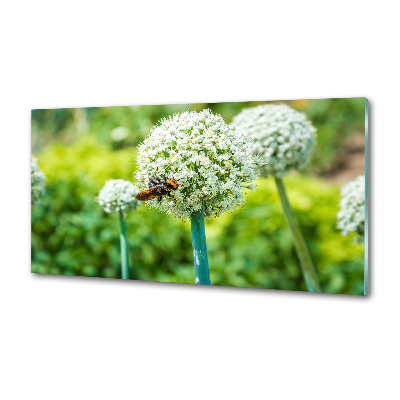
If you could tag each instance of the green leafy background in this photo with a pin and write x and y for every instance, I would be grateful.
(72, 235)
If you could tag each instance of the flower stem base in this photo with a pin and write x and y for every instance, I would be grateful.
(309, 273)
(124, 249)
(201, 268)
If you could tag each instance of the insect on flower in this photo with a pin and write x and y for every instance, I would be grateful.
(157, 188)
(197, 149)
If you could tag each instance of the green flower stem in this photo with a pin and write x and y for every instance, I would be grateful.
(309, 273)
(124, 248)
(201, 268)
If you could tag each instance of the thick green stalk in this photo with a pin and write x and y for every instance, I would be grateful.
(201, 268)
(124, 248)
(309, 273)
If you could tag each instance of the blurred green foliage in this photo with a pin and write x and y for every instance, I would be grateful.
(72, 235)
(335, 119)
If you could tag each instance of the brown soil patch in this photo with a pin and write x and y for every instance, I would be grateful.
(351, 161)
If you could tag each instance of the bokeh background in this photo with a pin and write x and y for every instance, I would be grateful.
(80, 149)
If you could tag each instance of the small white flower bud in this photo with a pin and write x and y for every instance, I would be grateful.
(37, 182)
(118, 195)
(351, 217)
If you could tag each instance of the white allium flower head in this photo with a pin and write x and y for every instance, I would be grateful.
(118, 195)
(119, 133)
(351, 217)
(212, 162)
(37, 182)
(284, 136)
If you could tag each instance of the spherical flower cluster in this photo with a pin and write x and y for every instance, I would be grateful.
(351, 217)
(212, 163)
(119, 134)
(37, 182)
(118, 195)
(284, 137)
